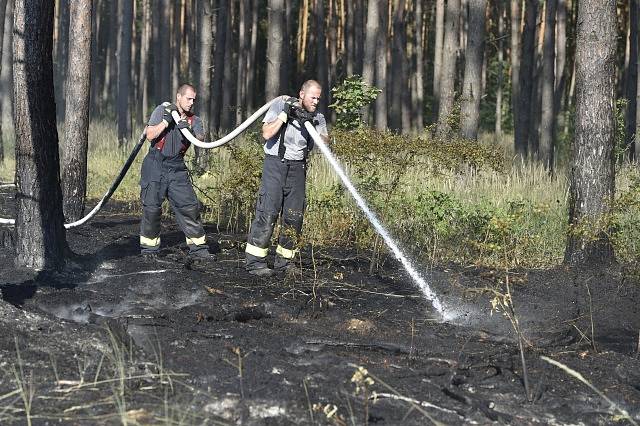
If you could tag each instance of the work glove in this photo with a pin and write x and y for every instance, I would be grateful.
(289, 105)
(166, 113)
(184, 124)
(302, 115)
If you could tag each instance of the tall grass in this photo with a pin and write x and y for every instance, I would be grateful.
(465, 214)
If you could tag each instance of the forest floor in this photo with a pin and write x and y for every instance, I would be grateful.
(117, 338)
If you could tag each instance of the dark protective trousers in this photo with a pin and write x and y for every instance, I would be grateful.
(282, 190)
(162, 178)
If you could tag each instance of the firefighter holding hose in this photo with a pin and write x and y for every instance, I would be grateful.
(164, 175)
(282, 189)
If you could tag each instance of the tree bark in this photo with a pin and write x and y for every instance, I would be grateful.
(418, 80)
(381, 69)
(274, 48)
(472, 83)
(437, 60)
(526, 87)
(164, 46)
(61, 56)
(204, 72)
(40, 233)
(124, 71)
(76, 134)
(218, 64)
(251, 60)
(3, 8)
(592, 165)
(321, 51)
(632, 80)
(448, 70)
(516, 20)
(143, 78)
(548, 115)
(399, 68)
(241, 78)
(500, 57)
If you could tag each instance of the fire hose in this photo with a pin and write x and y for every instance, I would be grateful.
(136, 149)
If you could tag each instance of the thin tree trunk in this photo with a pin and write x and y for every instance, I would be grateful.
(381, 68)
(218, 64)
(228, 81)
(592, 167)
(205, 42)
(358, 39)
(6, 74)
(3, 8)
(637, 128)
(323, 67)
(39, 231)
(526, 87)
(76, 133)
(109, 91)
(61, 56)
(418, 80)
(561, 58)
(164, 44)
(251, 60)
(548, 116)
(448, 69)
(124, 71)
(241, 73)
(437, 60)
(274, 48)
(371, 36)
(175, 45)
(143, 79)
(500, 55)
(516, 20)
(350, 43)
(303, 27)
(632, 79)
(472, 83)
(399, 70)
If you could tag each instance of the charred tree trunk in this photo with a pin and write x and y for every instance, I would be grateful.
(473, 61)
(548, 114)
(143, 79)
(526, 87)
(124, 71)
(76, 134)
(241, 77)
(61, 56)
(274, 47)
(321, 51)
(40, 233)
(3, 8)
(448, 71)
(251, 60)
(592, 163)
(516, 18)
(418, 79)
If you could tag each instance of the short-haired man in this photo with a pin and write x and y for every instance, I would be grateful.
(164, 175)
(282, 190)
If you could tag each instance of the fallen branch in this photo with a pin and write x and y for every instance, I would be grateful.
(425, 404)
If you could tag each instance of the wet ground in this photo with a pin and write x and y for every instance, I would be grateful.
(116, 338)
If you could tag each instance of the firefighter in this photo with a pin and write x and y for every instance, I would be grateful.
(282, 190)
(164, 175)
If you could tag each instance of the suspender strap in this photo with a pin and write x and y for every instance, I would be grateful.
(281, 148)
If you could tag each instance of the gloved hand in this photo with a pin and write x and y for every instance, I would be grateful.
(166, 114)
(302, 115)
(183, 124)
(289, 105)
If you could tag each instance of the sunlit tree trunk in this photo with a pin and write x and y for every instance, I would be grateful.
(205, 43)
(381, 68)
(370, 41)
(39, 231)
(516, 19)
(472, 83)
(437, 60)
(500, 57)
(448, 70)
(76, 133)
(124, 71)
(274, 47)
(548, 115)
(592, 164)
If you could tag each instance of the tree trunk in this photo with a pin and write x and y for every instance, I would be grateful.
(637, 128)
(381, 69)
(516, 19)
(561, 58)
(448, 70)
(500, 54)
(61, 56)
(76, 133)
(548, 115)
(437, 60)
(218, 63)
(111, 67)
(526, 87)
(632, 80)
(241, 78)
(175, 46)
(228, 81)
(274, 48)
(399, 68)
(321, 50)
(251, 60)
(472, 83)
(40, 233)
(204, 72)
(3, 8)
(164, 47)
(592, 165)
(418, 79)
(143, 79)
(6, 74)
(124, 70)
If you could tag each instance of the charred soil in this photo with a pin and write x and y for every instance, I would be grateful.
(118, 338)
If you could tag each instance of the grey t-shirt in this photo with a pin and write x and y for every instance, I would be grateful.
(174, 140)
(295, 137)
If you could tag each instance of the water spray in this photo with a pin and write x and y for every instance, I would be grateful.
(422, 284)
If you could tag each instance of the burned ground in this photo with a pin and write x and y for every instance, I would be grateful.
(118, 338)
